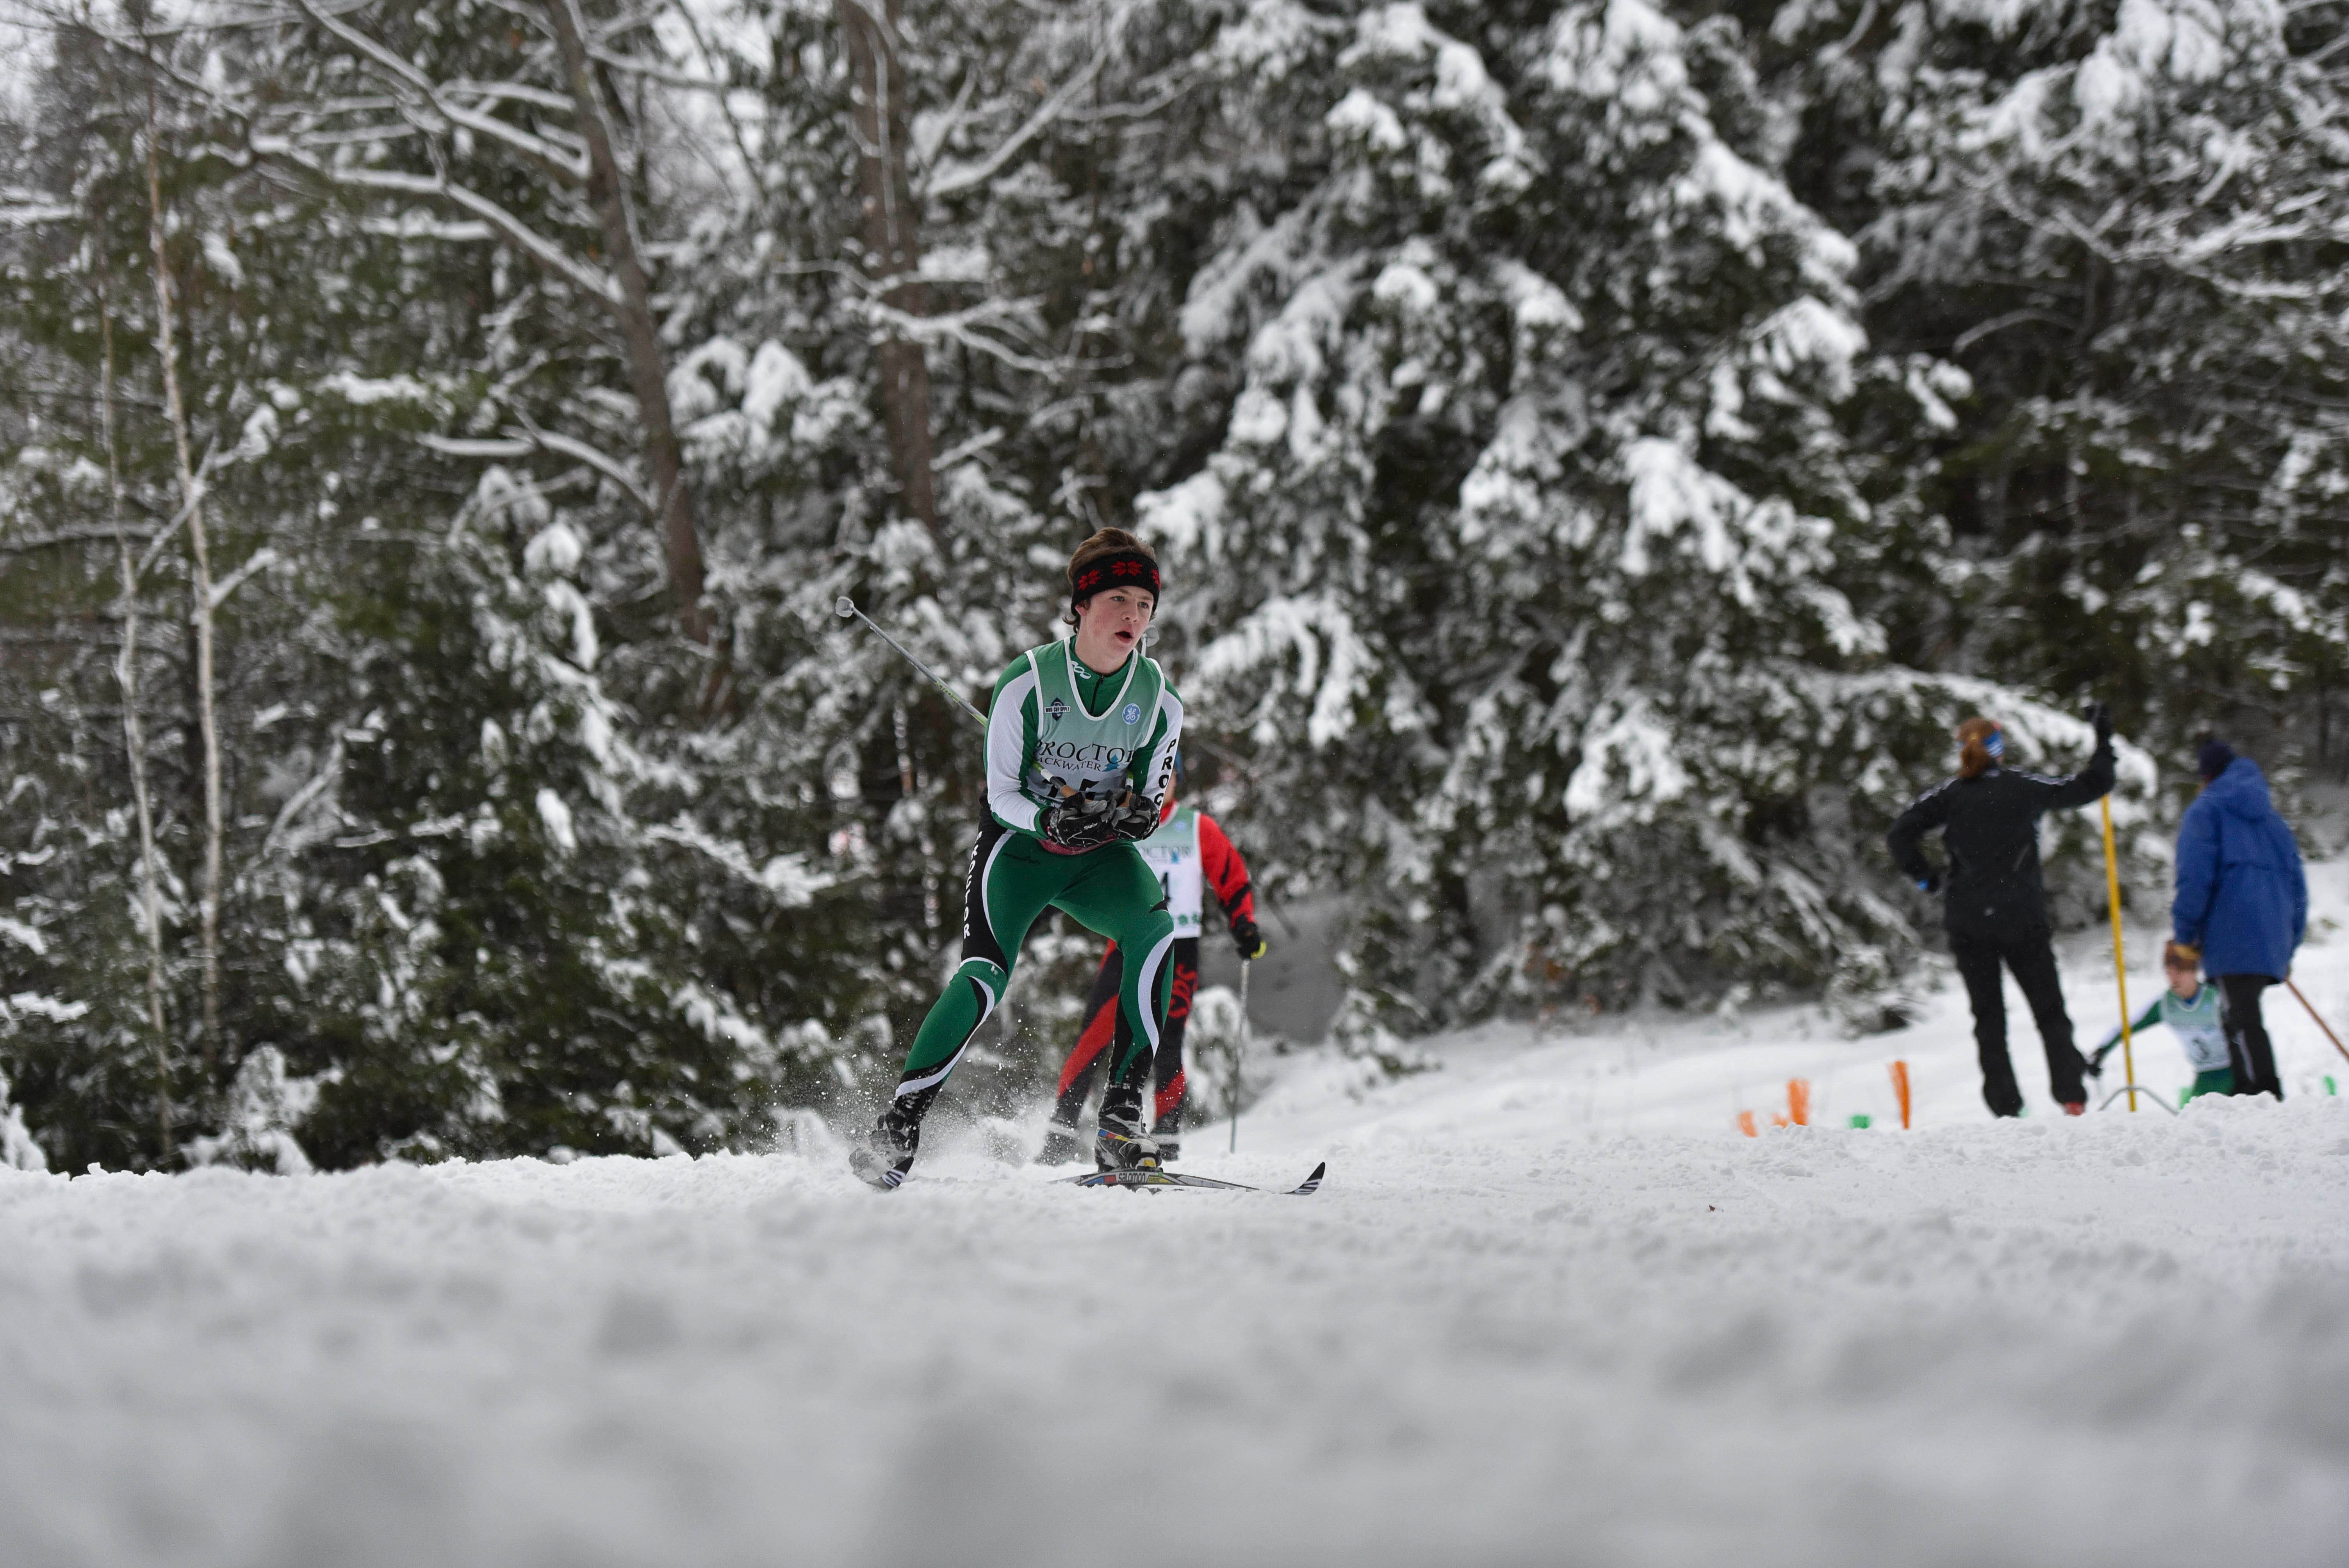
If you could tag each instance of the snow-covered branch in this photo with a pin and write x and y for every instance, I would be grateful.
(948, 179)
(525, 442)
(26, 215)
(569, 165)
(961, 328)
(259, 560)
(603, 463)
(22, 544)
(591, 281)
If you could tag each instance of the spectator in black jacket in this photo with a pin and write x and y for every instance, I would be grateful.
(1994, 908)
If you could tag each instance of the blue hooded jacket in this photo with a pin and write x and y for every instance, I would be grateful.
(2241, 895)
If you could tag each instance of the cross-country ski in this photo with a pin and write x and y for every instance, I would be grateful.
(1153, 1178)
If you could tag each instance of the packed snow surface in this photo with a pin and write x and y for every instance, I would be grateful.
(1550, 1307)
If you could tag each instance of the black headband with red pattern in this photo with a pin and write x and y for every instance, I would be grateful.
(1120, 569)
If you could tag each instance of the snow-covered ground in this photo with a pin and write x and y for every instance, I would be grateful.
(1550, 1307)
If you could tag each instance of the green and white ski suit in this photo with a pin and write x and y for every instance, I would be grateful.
(2200, 1025)
(1057, 731)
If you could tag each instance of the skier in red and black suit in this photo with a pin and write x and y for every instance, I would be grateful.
(1187, 853)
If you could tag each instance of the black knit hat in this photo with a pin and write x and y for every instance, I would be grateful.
(2214, 758)
(1113, 569)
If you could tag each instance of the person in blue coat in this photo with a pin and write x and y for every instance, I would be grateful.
(2243, 901)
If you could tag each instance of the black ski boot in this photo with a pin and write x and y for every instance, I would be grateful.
(888, 1152)
(1168, 1136)
(1120, 1144)
(1063, 1144)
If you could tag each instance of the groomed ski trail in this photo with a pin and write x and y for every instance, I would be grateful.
(1558, 1310)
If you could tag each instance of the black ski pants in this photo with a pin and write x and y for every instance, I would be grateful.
(2248, 1047)
(2031, 955)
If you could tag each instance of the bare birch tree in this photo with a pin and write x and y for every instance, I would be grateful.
(200, 554)
(134, 732)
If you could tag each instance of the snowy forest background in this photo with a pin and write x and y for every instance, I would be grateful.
(1596, 451)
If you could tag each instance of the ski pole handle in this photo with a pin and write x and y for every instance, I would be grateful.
(846, 607)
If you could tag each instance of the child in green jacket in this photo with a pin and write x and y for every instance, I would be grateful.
(2191, 1010)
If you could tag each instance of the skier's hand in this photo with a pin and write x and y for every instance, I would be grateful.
(1246, 938)
(1134, 817)
(2100, 716)
(1072, 828)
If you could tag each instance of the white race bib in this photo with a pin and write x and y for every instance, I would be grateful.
(1173, 855)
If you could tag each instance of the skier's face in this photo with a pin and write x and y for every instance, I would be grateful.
(2185, 979)
(1110, 625)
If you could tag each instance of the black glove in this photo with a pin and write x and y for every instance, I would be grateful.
(1071, 826)
(1134, 816)
(2100, 715)
(2093, 1065)
(1246, 938)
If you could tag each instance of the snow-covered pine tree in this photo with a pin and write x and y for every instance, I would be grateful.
(1038, 163)
(348, 370)
(1550, 557)
(2129, 224)
(1541, 549)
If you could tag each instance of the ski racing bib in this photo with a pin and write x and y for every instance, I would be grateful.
(1171, 854)
(2199, 1026)
(1078, 753)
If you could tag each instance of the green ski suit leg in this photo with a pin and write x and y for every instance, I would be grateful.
(1013, 879)
(1122, 895)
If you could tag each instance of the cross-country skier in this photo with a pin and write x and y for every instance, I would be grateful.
(2194, 1013)
(1080, 744)
(1994, 909)
(1188, 849)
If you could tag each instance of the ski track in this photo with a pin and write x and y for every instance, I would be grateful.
(1549, 1307)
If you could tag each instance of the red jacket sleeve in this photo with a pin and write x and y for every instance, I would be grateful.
(1226, 872)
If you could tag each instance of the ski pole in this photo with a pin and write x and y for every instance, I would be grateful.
(2287, 980)
(1239, 1054)
(846, 607)
(2120, 965)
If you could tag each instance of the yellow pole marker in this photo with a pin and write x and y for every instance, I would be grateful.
(2120, 964)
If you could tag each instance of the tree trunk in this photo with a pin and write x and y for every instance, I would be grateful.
(893, 242)
(647, 373)
(134, 739)
(200, 549)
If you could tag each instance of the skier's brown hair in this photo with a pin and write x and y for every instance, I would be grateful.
(1111, 558)
(1976, 756)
